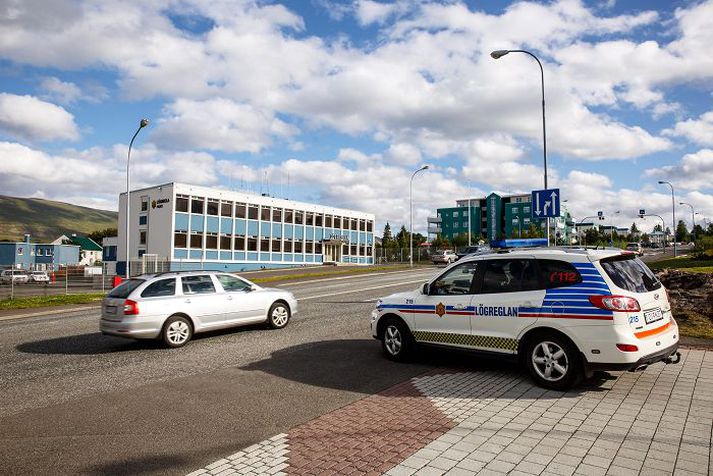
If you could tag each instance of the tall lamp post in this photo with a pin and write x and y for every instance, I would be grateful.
(611, 227)
(693, 220)
(497, 54)
(410, 207)
(673, 213)
(142, 124)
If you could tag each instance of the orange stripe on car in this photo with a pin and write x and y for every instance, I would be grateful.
(651, 332)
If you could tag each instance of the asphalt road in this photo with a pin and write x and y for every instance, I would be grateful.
(74, 401)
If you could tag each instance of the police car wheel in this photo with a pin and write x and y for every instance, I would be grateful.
(553, 362)
(396, 340)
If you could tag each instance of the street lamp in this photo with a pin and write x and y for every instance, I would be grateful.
(673, 213)
(142, 124)
(497, 54)
(410, 207)
(611, 227)
(693, 220)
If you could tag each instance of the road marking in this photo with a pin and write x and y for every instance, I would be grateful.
(364, 275)
(360, 290)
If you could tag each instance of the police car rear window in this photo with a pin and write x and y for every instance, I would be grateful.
(557, 274)
(630, 273)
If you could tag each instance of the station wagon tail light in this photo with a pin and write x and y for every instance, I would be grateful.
(627, 347)
(616, 303)
(131, 308)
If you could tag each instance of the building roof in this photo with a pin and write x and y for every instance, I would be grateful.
(85, 243)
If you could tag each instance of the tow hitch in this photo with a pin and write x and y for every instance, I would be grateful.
(673, 358)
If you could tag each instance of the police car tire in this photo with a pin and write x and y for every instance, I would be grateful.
(574, 373)
(396, 329)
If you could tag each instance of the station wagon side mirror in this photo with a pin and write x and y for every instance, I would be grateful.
(425, 289)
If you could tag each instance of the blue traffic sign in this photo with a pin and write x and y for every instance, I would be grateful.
(546, 203)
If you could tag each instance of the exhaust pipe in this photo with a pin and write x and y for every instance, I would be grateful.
(673, 358)
(640, 368)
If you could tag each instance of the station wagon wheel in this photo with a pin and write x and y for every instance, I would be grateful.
(177, 331)
(553, 362)
(396, 340)
(278, 316)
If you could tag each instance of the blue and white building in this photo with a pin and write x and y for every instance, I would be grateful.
(37, 256)
(198, 227)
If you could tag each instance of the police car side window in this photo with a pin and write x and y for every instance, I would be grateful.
(509, 275)
(457, 280)
(557, 274)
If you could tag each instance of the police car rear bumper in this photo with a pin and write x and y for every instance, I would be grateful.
(668, 355)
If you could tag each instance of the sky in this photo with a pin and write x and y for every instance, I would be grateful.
(339, 102)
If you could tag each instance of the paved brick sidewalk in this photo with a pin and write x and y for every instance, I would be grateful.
(489, 422)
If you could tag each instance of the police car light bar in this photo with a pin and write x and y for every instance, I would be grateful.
(519, 243)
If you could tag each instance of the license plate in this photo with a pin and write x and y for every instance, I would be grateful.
(653, 315)
(111, 309)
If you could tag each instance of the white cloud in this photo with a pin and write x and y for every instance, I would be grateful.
(694, 171)
(698, 130)
(67, 92)
(404, 154)
(27, 117)
(219, 124)
(369, 12)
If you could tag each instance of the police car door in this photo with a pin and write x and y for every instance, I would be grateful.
(443, 315)
(508, 286)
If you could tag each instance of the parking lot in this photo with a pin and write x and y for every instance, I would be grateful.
(319, 396)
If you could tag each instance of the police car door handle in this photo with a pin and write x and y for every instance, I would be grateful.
(459, 307)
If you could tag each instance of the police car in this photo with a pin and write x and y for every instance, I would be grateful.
(564, 313)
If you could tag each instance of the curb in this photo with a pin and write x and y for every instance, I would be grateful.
(11, 317)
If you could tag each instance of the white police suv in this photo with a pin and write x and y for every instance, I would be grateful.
(563, 312)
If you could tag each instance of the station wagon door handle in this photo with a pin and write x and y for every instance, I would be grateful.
(188, 301)
(230, 298)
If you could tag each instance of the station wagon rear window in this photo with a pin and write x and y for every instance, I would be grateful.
(629, 273)
(123, 290)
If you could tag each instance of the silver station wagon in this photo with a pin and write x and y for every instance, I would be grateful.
(174, 306)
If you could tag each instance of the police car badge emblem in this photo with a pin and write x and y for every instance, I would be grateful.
(440, 309)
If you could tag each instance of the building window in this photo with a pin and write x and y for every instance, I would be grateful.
(288, 246)
(277, 215)
(20, 251)
(142, 237)
(142, 253)
(143, 219)
(225, 242)
(252, 244)
(362, 225)
(328, 221)
(211, 242)
(252, 212)
(355, 224)
(514, 209)
(240, 210)
(353, 251)
(337, 222)
(309, 219)
(265, 213)
(289, 216)
(240, 242)
(180, 240)
(265, 244)
(182, 204)
(212, 207)
(276, 246)
(318, 219)
(144, 204)
(197, 205)
(526, 221)
(226, 209)
(196, 240)
(525, 209)
(299, 218)
(39, 251)
(310, 248)
(318, 248)
(298, 247)
(370, 226)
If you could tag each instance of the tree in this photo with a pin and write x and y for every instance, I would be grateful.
(634, 230)
(440, 242)
(645, 239)
(682, 232)
(461, 239)
(658, 227)
(387, 238)
(99, 235)
(402, 238)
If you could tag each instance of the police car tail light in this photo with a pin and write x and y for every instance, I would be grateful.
(616, 303)
(627, 347)
(131, 308)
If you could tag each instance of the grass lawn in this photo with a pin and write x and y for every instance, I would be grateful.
(47, 301)
(692, 324)
(684, 263)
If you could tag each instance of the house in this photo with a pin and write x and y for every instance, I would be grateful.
(40, 256)
(90, 252)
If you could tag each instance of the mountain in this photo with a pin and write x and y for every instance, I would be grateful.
(45, 220)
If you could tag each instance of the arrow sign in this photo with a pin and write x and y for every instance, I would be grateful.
(546, 203)
(642, 212)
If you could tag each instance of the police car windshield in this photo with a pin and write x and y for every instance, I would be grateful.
(629, 273)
